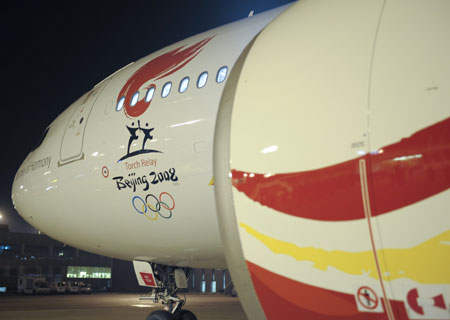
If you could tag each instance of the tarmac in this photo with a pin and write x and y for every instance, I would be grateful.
(111, 306)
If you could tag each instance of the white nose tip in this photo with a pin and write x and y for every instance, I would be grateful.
(29, 185)
(20, 191)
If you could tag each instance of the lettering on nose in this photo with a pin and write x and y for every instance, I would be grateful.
(34, 165)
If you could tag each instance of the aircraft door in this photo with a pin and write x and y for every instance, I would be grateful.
(73, 138)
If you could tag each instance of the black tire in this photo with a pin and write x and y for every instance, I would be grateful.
(186, 315)
(160, 315)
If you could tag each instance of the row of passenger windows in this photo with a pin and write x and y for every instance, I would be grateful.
(167, 87)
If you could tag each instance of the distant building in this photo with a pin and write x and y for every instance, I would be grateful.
(37, 254)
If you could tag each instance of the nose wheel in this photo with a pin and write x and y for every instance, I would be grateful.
(161, 315)
(186, 315)
(166, 315)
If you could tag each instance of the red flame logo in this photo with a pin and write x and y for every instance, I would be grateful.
(156, 69)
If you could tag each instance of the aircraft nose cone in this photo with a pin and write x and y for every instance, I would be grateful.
(29, 186)
(20, 191)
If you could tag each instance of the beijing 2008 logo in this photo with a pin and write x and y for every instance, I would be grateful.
(152, 207)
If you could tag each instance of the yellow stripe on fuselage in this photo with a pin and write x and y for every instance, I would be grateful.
(425, 263)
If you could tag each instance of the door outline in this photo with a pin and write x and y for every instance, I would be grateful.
(88, 102)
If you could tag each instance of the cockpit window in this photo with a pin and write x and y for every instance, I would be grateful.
(134, 99)
(202, 79)
(41, 139)
(120, 104)
(184, 84)
(221, 74)
(166, 89)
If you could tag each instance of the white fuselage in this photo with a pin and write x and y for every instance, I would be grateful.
(159, 205)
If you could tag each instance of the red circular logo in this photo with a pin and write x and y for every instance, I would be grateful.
(105, 172)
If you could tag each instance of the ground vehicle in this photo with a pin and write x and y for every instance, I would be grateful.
(72, 287)
(58, 287)
(85, 288)
(41, 287)
(28, 284)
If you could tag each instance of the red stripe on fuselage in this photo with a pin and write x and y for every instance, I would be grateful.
(400, 174)
(283, 298)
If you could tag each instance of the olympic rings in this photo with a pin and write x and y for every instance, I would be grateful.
(173, 201)
(144, 209)
(151, 207)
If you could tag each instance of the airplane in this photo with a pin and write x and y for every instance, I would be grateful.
(306, 149)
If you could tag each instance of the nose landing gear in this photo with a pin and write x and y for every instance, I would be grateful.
(165, 281)
(172, 307)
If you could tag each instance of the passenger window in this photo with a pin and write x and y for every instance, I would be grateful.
(134, 99)
(201, 82)
(221, 74)
(120, 104)
(166, 89)
(149, 95)
(184, 84)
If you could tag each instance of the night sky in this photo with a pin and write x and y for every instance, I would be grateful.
(53, 52)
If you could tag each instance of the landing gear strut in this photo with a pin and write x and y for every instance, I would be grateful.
(168, 280)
